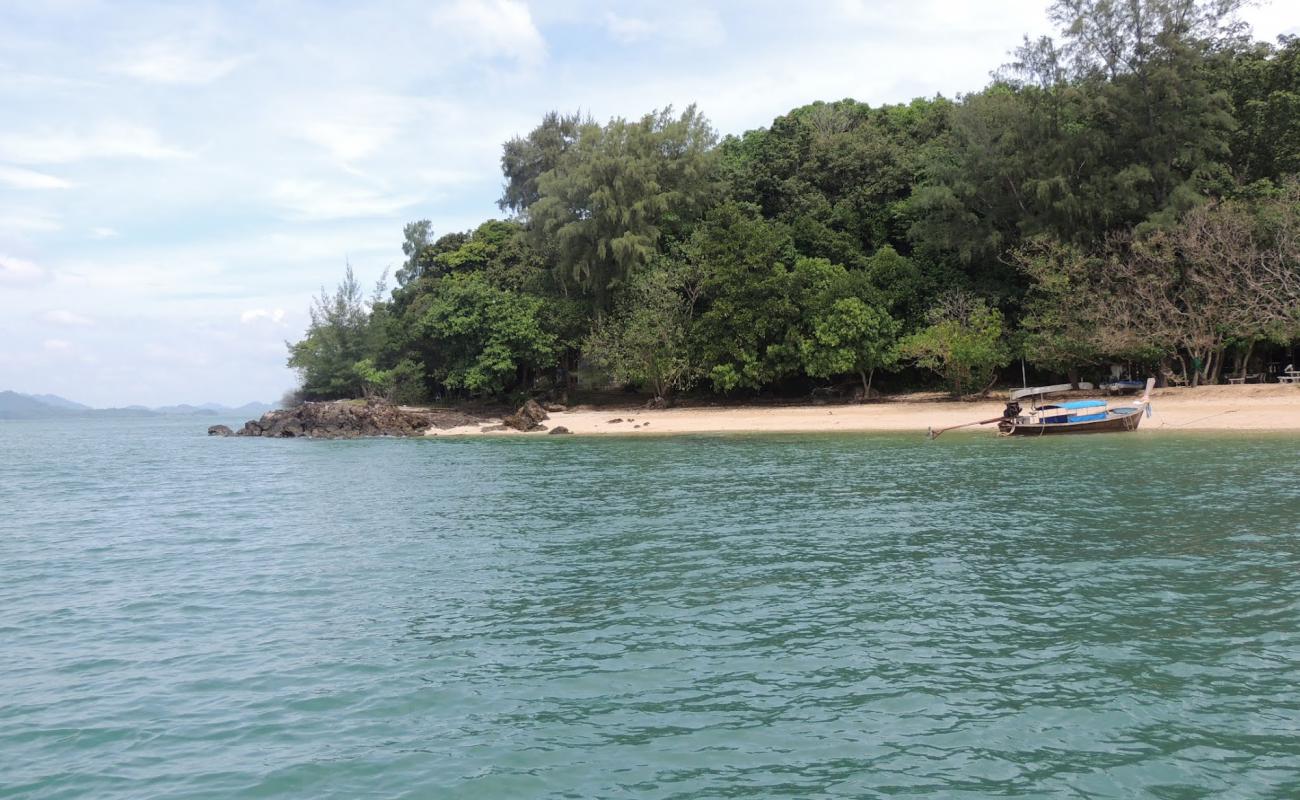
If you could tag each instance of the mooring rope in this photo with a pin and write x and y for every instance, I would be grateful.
(1164, 424)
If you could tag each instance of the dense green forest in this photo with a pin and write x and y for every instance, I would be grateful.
(1126, 192)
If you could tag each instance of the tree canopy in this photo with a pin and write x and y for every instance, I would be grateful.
(1123, 192)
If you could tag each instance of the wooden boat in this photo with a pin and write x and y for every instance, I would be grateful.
(1077, 416)
(1040, 391)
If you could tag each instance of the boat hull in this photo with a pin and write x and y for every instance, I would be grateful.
(1113, 423)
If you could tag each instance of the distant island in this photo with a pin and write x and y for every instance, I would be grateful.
(14, 405)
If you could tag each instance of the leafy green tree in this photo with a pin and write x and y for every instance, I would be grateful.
(964, 343)
(481, 339)
(644, 342)
(837, 173)
(418, 249)
(1060, 318)
(337, 339)
(1264, 82)
(525, 159)
(1119, 125)
(1150, 61)
(748, 304)
(602, 209)
(900, 284)
(845, 328)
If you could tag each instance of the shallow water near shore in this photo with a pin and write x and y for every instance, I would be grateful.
(663, 617)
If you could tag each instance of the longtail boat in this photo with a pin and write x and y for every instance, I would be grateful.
(1075, 416)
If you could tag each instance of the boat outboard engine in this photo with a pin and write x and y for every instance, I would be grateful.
(1009, 416)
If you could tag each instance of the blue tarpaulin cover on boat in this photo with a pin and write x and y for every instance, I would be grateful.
(1082, 404)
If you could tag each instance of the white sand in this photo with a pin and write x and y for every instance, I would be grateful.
(1254, 407)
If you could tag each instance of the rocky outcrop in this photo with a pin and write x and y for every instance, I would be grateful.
(557, 430)
(350, 420)
(528, 418)
(220, 430)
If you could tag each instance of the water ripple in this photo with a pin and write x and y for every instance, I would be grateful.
(666, 618)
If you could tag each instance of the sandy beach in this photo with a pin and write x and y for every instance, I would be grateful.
(1254, 407)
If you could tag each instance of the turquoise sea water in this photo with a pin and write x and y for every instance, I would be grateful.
(757, 616)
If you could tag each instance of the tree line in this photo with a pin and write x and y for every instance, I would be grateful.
(1124, 192)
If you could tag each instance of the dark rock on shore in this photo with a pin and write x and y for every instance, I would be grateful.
(349, 420)
(220, 430)
(528, 418)
(558, 429)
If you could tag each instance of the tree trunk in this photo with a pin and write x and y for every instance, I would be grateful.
(1073, 374)
(1245, 360)
(1216, 376)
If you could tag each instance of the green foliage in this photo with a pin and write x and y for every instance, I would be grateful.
(336, 341)
(1264, 83)
(741, 335)
(964, 343)
(525, 159)
(483, 335)
(1058, 322)
(418, 250)
(837, 173)
(604, 205)
(1122, 190)
(845, 328)
(644, 343)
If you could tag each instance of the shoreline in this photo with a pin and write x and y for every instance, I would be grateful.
(1251, 407)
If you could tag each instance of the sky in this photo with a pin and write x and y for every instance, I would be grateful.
(177, 180)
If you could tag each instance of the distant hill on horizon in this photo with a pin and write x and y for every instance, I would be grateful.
(15, 405)
(59, 402)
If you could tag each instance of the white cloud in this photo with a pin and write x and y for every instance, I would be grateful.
(21, 223)
(348, 140)
(61, 316)
(109, 140)
(18, 271)
(21, 178)
(699, 27)
(690, 26)
(178, 356)
(57, 346)
(176, 64)
(273, 315)
(627, 30)
(490, 28)
(350, 126)
(316, 200)
(103, 232)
